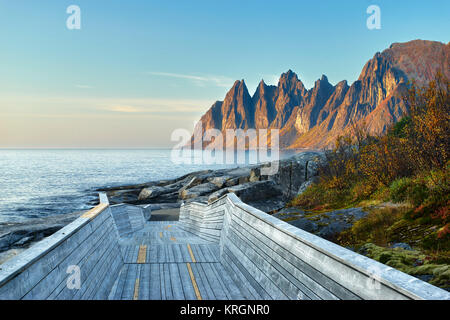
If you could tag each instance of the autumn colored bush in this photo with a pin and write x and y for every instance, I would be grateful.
(408, 165)
(411, 160)
(427, 133)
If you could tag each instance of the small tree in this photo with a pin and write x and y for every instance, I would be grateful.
(428, 132)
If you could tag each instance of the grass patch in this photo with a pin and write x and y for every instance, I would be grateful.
(372, 228)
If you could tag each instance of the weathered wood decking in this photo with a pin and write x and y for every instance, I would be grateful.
(223, 250)
(162, 261)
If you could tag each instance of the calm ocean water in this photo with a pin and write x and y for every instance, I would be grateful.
(36, 183)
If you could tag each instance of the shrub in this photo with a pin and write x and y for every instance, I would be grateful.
(372, 228)
(418, 193)
(398, 189)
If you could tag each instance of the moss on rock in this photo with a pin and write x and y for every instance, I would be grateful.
(412, 262)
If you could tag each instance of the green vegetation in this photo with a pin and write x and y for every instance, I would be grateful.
(436, 271)
(402, 178)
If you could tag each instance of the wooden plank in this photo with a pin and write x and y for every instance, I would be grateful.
(177, 253)
(170, 253)
(135, 254)
(155, 282)
(161, 253)
(246, 259)
(206, 282)
(142, 255)
(162, 281)
(206, 253)
(136, 290)
(213, 281)
(194, 282)
(186, 281)
(91, 214)
(191, 253)
(167, 281)
(175, 281)
(291, 273)
(105, 279)
(185, 253)
(130, 281)
(315, 284)
(240, 275)
(215, 249)
(144, 292)
(121, 282)
(227, 282)
(153, 254)
(198, 254)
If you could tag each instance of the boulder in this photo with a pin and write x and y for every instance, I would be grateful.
(220, 181)
(255, 175)
(304, 224)
(149, 193)
(120, 196)
(295, 171)
(232, 182)
(217, 194)
(240, 172)
(327, 225)
(194, 181)
(253, 191)
(402, 245)
(199, 190)
(268, 205)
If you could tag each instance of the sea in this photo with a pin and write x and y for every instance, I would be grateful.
(35, 183)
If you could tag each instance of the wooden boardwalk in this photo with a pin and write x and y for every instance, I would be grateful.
(163, 262)
(222, 250)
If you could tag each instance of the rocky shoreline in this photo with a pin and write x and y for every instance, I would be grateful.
(269, 193)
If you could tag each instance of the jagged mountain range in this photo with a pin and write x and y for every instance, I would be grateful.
(314, 118)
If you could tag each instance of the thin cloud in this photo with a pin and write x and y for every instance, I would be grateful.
(124, 109)
(154, 106)
(84, 86)
(218, 81)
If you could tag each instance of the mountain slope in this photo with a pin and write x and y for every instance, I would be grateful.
(314, 118)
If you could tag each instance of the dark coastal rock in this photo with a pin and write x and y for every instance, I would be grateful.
(22, 234)
(268, 205)
(252, 191)
(267, 192)
(232, 182)
(221, 181)
(193, 181)
(326, 225)
(402, 245)
(295, 171)
(152, 192)
(255, 175)
(198, 191)
(217, 194)
(305, 224)
(121, 196)
(289, 213)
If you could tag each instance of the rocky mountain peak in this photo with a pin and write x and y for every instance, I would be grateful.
(314, 118)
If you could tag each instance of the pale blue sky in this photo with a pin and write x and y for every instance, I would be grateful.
(139, 69)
